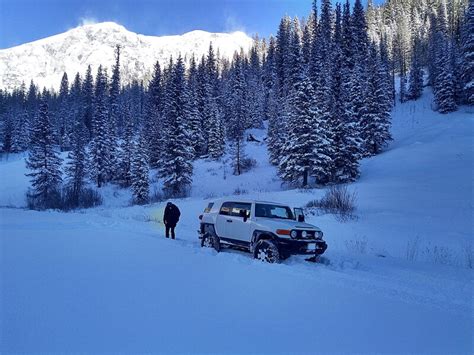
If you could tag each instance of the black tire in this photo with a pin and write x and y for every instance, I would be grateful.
(267, 251)
(210, 241)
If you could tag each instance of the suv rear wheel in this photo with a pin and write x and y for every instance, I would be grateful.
(267, 251)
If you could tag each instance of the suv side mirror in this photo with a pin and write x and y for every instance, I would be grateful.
(244, 215)
(299, 214)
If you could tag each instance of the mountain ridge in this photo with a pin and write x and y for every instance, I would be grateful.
(45, 60)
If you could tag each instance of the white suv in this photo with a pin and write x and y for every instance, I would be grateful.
(270, 231)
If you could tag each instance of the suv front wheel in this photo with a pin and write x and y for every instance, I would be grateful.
(267, 251)
(210, 241)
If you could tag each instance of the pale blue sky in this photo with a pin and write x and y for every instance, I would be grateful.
(28, 20)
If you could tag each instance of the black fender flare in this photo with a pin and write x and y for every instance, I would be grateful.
(208, 228)
(259, 235)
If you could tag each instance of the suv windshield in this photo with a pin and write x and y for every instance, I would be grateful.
(273, 211)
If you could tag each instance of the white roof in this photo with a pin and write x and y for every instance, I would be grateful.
(246, 200)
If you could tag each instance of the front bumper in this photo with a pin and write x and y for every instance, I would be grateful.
(302, 247)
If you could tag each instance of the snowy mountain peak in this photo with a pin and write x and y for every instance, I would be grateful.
(44, 61)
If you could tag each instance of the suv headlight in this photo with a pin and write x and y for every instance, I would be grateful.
(319, 235)
(294, 234)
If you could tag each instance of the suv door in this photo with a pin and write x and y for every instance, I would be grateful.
(237, 229)
(222, 219)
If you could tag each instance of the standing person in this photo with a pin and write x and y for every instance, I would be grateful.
(171, 218)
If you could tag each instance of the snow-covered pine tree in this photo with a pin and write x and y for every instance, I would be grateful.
(43, 161)
(195, 119)
(32, 100)
(100, 154)
(88, 101)
(238, 113)
(153, 121)
(347, 142)
(416, 71)
(177, 168)
(114, 119)
(272, 106)
(211, 110)
(360, 44)
(403, 83)
(282, 56)
(64, 119)
(76, 168)
(346, 37)
(127, 149)
(444, 88)
(136, 98)
(20, 135)
(7, 132)
(467, 55)
(308, 30)
(254, 87)
(346, 145)
(216, 137)
(305, 150)
(295, 55)
(375, 122)
(213, 128)
(140, 172)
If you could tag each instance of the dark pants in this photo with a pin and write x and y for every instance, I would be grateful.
(168, 228)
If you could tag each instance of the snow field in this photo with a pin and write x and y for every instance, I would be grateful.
(106, 279)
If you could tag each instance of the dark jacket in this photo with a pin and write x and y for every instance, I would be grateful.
(172, 215)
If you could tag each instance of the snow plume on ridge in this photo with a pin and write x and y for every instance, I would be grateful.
(87, 20)
(232, 24)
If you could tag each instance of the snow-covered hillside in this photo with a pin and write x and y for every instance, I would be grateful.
(44, 61)
(398, 278)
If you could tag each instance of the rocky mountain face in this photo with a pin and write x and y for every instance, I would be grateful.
(44, 61)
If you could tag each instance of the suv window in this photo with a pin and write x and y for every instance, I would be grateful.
(234, 208)
(237, 207)
(209, 207)
(226, 208)
(273, 211)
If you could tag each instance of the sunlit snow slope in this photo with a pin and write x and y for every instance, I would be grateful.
(44, 61)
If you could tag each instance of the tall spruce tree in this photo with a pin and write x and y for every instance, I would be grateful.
(467, 55)
(305, 152)
(375, 122)
(63, 126)
(114, 121)
(282, 56)
(216, 138)
(127, 149)
(177, 165)
(254, 87)
(140, 172)
(444, 88)
(88, 101)
(195, 118)
(43, 161)
(76, 168)
(20, 133)
(416, 71)
(238, 113)
(100, 153)
(153, 118)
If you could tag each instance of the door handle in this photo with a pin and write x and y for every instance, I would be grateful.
(229, 220)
